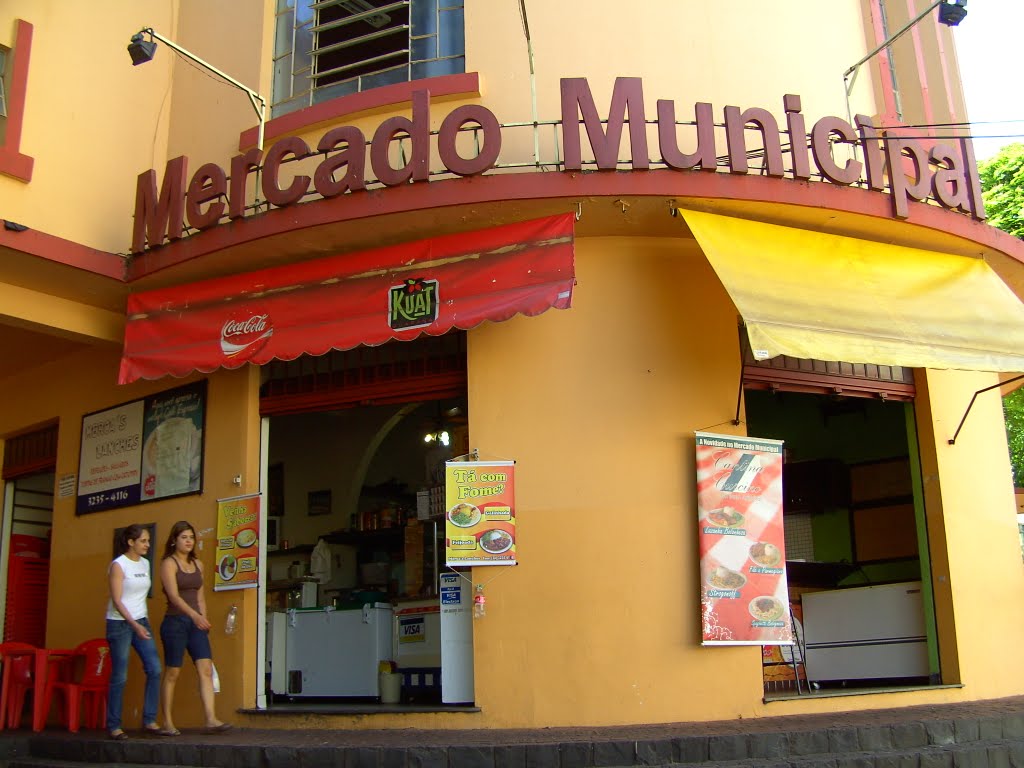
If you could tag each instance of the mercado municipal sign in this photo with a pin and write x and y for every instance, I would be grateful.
(946, 173)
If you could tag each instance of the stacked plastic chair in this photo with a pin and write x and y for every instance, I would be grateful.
(83, 680)
(18, 665)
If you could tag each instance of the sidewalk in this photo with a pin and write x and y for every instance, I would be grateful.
(954, 734)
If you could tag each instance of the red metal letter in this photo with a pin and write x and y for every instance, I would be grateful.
(627, 98)
(291, 145)
(418, 129)
(208, 183)
(156, 218)
(488, 153)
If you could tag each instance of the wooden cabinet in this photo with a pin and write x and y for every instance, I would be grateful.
(882, 510)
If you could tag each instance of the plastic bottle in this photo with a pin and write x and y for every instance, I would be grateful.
(479, 603)
(231, 624)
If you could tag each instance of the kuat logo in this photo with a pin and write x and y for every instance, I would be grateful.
(413, 304)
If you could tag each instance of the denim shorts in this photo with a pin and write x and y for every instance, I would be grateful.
(178, 633)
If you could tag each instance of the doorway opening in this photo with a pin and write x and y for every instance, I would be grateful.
(856, 542)
(28, 473)
(354, 446)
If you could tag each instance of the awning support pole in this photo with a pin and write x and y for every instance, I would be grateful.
(739, 400)
(956, 434)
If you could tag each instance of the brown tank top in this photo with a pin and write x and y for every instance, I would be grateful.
(189, 585)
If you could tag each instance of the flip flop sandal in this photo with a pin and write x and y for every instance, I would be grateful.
(119, 736)
(168, 732)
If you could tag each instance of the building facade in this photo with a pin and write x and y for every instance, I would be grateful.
(741, 241)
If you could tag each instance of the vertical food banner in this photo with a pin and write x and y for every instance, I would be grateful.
(238, 553)
(744, 593)
(480, 525)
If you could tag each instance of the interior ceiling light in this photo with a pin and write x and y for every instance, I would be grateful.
(441, 437)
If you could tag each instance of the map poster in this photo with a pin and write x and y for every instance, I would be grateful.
(480, 513)
(743, 588)
(238, 552)
(142, 451)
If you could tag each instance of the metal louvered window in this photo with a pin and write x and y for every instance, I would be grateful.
(332, 48)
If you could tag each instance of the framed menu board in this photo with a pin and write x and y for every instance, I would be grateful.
(141, 451)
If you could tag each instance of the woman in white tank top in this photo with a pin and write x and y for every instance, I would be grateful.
(128, 627)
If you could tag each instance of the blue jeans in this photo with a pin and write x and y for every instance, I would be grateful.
(122, 637)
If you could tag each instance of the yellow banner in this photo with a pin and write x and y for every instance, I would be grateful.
(480, 524)
(238, 552)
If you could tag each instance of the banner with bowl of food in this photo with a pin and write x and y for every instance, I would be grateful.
(480, 518)
(744, 592)
(238, 553)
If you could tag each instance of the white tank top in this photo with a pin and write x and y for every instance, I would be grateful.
(136, 588)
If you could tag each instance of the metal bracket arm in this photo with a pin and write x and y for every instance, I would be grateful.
(259, 104)
(952, 440)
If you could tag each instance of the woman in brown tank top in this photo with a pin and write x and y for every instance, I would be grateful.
(185, 625)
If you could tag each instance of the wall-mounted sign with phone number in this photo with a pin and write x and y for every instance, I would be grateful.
(144, 450)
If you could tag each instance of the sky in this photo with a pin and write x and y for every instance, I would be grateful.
(988, 43)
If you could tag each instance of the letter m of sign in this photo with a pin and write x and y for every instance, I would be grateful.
(627, 100)
(156, 218)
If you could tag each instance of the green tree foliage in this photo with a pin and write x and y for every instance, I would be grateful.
(1013, 409)
(1002, 184)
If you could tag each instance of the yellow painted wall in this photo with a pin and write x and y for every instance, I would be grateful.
(89, 120)
(81, 545)
(598, 406)
(985, 571)
(726, 52)
(93, 122)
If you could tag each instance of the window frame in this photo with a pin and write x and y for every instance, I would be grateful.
(434, 45)
(12, 162)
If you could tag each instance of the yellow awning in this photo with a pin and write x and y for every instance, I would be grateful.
(814, 295)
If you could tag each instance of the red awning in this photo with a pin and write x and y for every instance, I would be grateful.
(339, 302)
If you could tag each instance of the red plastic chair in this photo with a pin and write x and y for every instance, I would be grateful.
(17, 681)
(83, 680)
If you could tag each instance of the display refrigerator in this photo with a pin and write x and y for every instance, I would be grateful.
(330, 652)
(861, 633)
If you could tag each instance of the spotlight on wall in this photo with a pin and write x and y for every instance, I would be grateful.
(952, 12)
(140, 49)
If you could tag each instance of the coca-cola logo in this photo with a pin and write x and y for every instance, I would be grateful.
(245, 337)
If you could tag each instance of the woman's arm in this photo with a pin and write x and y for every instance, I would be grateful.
(116, 577)
(201, 598)
(169, 580)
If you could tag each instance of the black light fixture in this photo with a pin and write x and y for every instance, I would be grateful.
(952, 12)
(141, 50)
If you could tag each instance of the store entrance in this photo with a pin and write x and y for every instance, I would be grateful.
(355, 497)
(856, 542)
(25, 533)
